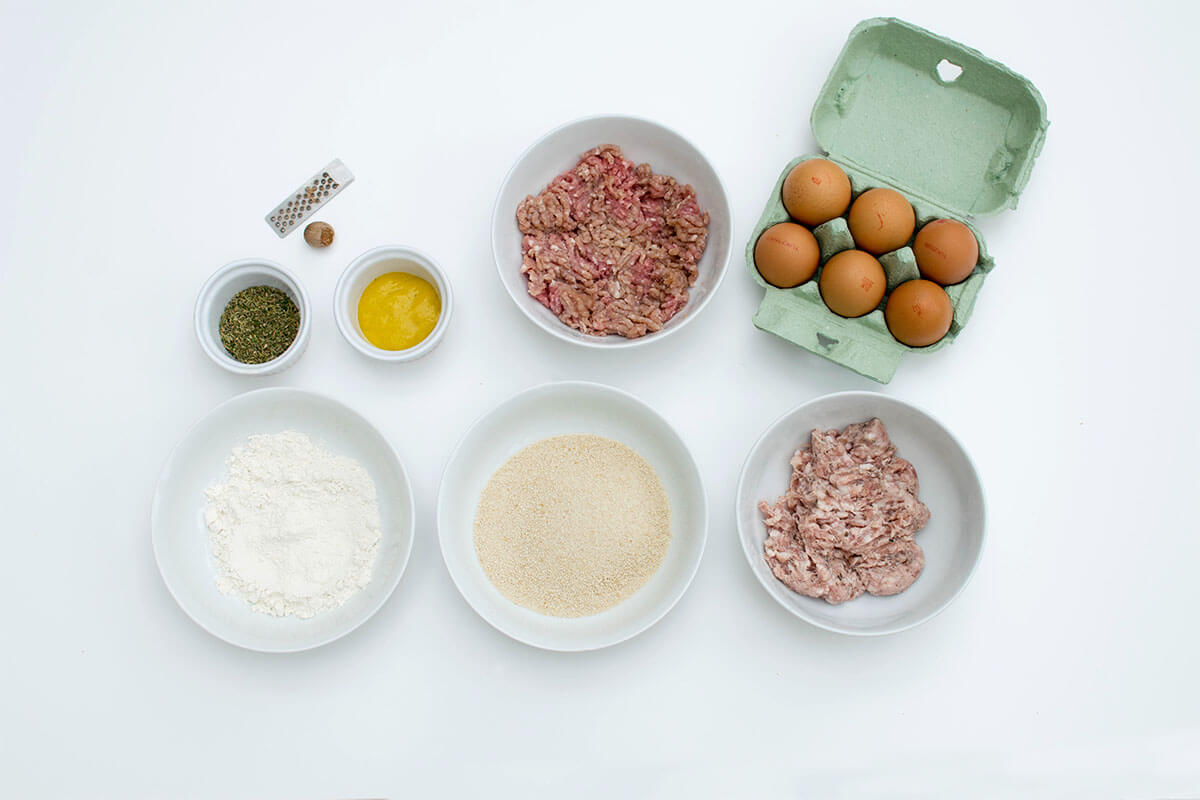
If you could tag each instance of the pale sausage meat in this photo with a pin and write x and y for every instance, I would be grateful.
(846, 523)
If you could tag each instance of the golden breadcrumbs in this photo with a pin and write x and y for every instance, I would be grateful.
(572, 525)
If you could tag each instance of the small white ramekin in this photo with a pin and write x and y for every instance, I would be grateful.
(219, 289)
(369, 266)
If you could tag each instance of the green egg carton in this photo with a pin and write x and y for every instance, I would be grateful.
(953, 131)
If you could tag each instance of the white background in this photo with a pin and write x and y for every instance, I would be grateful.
(144, 143)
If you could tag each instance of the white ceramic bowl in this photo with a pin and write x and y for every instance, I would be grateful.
(369, 266)
(565, 408)
(949, 485)
(640, 140)
(220, 288)
(180, 537)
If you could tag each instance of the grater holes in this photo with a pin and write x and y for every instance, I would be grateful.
(308, 198)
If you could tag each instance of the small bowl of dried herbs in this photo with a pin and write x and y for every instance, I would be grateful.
(252, 317)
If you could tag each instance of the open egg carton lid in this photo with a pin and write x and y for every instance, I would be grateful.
(933, 118)
(953, 130)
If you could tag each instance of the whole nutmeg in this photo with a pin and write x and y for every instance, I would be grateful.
(319, 234)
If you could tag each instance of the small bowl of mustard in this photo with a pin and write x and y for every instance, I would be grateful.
(393, 303)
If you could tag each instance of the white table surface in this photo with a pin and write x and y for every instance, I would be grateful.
(146, 141)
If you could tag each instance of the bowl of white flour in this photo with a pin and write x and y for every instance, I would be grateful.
(282, 521)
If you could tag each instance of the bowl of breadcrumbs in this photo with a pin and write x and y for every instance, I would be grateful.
(572, 516)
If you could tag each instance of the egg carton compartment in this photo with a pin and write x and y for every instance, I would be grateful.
(834, 236)
(890, 115)
(899, 266)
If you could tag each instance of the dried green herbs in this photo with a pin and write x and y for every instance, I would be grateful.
(258, 324)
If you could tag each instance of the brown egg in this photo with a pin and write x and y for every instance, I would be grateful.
(786, 255)
(918, 313)
(881, 220)
(816, 191)
(852, 283)
(946, 251)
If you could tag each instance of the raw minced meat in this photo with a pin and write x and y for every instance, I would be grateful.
(612, 248)
(846, 523)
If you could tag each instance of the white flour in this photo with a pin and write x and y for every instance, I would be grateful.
(295, 529)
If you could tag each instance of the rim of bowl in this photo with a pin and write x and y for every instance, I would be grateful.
(612, 341)
(350, 331)
(209, 339)
(384, 597)
(752, 557)
(590, 386)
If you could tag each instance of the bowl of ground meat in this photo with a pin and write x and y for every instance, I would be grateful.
(611, 231)
(861, 514)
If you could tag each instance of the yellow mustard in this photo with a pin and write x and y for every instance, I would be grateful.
(398, 310)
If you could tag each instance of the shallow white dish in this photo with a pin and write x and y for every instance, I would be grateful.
(180, 537)
(220, 288)
(640, 140)
(949, 485)
(550, 410)
(369, 266)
